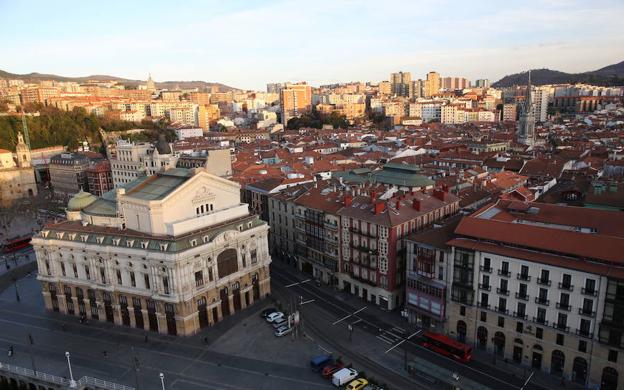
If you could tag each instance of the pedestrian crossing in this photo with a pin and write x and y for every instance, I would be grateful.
(392, 336)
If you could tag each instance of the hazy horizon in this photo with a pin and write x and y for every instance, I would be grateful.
(249, 44)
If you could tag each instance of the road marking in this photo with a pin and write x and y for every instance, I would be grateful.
(449, 360)
(385, 340)
(155, 352)
(352, 314)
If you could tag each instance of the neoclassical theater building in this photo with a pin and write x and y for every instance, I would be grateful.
(171, 253)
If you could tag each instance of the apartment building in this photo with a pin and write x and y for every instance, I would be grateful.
(295, 99)
(172, 253)
(353, 235)
(133, 160)
(543, 286)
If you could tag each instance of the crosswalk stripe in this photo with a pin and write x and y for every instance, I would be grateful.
(384, 339)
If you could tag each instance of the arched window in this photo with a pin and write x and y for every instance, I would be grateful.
(499, 342)
(579, 370)
(557, 362)
(609, 379)
(227, 262)
(461, 330)
(482, 334)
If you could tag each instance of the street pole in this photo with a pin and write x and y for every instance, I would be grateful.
(17, 296)
(32, 359)
(136, 368)
(162, 380)
(72, 382)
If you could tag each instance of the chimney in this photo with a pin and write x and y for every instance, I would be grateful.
(379, 207)
(445, 187)
(373, 196)
(440, 194)
(398, 204)
(348, 199)
(416, 204)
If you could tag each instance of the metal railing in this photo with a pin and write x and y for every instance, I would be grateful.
(49, 378)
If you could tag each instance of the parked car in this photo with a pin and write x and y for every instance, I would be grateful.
(357, 384)
(371, 386)
(275, 316)
(330, 369)
(283, 331)
(268, 311)
(319, 362)
(280, 322)
(344, 376)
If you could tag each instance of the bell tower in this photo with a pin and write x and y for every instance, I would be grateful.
(23, 152)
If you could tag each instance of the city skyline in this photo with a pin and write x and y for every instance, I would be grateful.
(246, 45)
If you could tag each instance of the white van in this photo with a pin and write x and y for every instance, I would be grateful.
(274, 316)
(344, 376)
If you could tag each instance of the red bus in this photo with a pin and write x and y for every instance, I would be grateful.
(446, 346)
(16, 244)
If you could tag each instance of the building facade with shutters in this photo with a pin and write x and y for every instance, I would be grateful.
(542, 286)
(172, 253)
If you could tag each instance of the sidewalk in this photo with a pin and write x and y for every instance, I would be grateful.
(541, 378)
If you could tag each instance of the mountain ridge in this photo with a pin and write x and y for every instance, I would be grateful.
(611, 75)
(35, 76)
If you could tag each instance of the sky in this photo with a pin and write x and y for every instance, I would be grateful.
(246, 44)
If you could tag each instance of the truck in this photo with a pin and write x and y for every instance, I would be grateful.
(344, 376)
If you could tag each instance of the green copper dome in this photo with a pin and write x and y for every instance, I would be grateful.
(80, 201)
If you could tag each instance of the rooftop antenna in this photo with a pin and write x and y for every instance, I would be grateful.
(25, 129)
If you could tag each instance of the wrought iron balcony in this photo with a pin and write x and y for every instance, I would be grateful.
(568, 287)
(524, 277)
(542, 301)
(545, 282)
(523, 297)
(485, 269)
(503, 272)
(584, 333)
(540, 320)
(587, 313)
(520, 315)
(486, 287)
(592, 292)
(501, 291)
(563, 306)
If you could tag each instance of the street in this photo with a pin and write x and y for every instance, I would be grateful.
(328, 307)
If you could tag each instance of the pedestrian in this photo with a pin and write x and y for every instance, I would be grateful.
(105, 354)
(146, 340)
(205, 340)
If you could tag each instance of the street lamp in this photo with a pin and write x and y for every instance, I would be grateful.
(17, 296)
(72, 382)
(162, 380)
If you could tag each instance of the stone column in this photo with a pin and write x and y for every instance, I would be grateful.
(162, 323)
(47, 299)
(117, 314)
(132, 318)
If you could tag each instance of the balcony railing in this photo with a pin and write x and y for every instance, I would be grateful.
(501, 310)
(584, 333)
(486, 287)
(592, 292)
(587, 313)
(545, 282)
(524, 277)
(561, 327)
(523, 297)
(485, 269)
(503, 272)
(563, 306)
(520, 315)
(568, 287)
(502, 291)
(540, 320)
(329, 225)
(483, 305)
(542, 301)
